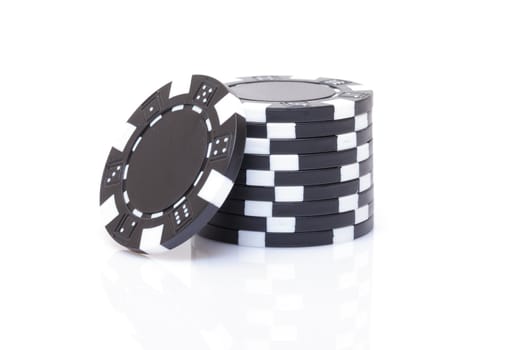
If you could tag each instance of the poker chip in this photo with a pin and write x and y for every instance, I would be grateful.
(301, 193)
(288, 209)
(294, 223)
(183, 152)
(292, 162)
(306, 130)
(305, 146)
(269, 99)
(283, 240)
(269, 178)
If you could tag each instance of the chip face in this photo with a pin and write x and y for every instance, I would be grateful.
(282, 99)
(184, 150)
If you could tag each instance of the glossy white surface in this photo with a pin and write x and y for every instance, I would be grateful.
(440, 262)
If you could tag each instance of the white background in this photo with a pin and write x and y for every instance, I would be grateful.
(441, 256)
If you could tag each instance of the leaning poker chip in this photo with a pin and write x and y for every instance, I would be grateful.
(293, 223)
(288, 209)
(295, 239)
(184, 150)
(301, 193)
(293, 162)
(311, 145)
(269, 178)
(287, 99)
(310, 129)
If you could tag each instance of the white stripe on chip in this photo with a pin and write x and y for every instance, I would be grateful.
(179, 87)
(123, 137)
(346, 141)
(276, 224)
(365, 182)
(227, 107)
(284, 162)
(258, 208)
(343, 108)
(362, 152)
(361, 121)
(150, 240)
(349, 171)
(281, 130)
(108, 210)
(289, 193)
(259, 177)
(255, 111)
(216, 188)
(343, 234)
(347, 203)
(252, 238)
(361, 214)
(257, 146)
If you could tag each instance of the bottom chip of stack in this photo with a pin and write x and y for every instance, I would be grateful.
(294, 239)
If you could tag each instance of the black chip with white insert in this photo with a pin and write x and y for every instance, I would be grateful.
(293, 223)
(270, 178)
(293, 162)
(277, 131)
(297, 239)
(301, 193)
(285, 99)
(287, 209)
(311, 145)
(175, 167)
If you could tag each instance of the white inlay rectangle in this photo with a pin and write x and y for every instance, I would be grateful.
(179, 87)
(365, 182)
(349, 172)
(216, 188)
(276, 224)
(361, 121)
(150, 240)
(281, 130)
(251, 238)
(257, 146)
(289, 193)
(227, 107)
(287, 162)
(346, 141)
(259, 178)
(123, 136)
(343, 108)
(347, 203)
(363, 152)
(343, 234)
(361, 214)
(258, 208)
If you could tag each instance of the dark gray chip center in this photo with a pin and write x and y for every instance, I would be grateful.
(166, 161)
(282, 91)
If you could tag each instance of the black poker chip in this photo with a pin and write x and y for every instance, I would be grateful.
(301, 193)
(286, 240)
(183, 152)
(310, 145)
(269, 178)
(288, 99)
(288, 209)
(293, 162)
(294, 223)
(309, 129)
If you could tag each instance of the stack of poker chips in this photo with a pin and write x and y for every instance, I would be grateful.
(306, 177)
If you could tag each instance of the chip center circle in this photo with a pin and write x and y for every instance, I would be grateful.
(282, 91)
(166, 161)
